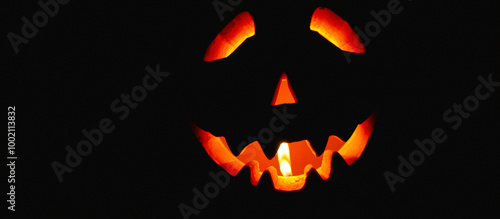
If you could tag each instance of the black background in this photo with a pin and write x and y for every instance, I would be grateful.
(424, 61)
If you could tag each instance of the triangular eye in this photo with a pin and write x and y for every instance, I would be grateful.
(284, 93)
(336, 30)
(232, 36)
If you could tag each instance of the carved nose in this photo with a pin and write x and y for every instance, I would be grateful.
(284, 93)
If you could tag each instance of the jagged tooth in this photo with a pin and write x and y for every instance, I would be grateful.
(266, 181)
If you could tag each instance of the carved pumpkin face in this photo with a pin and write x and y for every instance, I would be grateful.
(290, 166)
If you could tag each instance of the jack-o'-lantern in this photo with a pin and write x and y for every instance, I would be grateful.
(290, 166)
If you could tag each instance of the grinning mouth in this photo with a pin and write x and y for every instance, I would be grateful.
(301, 156)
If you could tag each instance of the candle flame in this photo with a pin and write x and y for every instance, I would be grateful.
(284, 159)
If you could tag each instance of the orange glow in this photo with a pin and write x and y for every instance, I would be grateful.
(284, 160)
(232, 36)
(301, 157)
(284, 93)
(336, 30)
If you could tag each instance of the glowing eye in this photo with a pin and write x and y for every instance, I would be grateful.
(336, 30)
(232, 36)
